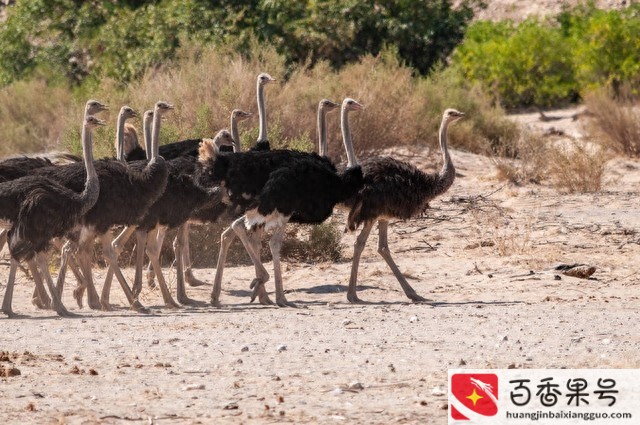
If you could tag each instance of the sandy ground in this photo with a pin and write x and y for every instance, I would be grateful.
(484, 254)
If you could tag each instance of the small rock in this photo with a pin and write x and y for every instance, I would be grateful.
(281, 348)
(462, 363)
(231, 406)
(355, 386)
(244, 348)
(336, 391)
(557, 277)
(346, 322)
(193, 387)
(606, 341)
(505, 338)
(413, 319)
(438, 391)
(423, 403)
(155, 342)
(392, 368)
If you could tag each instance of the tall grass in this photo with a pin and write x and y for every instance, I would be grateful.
(615, 123)
(205, 84)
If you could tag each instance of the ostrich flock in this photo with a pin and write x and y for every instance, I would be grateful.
(62, 201)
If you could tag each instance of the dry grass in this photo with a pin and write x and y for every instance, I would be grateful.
(615, 123)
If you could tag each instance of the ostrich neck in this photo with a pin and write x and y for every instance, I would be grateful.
(346, 138)
(235, 135)
(155, 136)
(147, 136)
(448, 172)
(120, 137)
(262, 113)
(91, 190)
(322, 133)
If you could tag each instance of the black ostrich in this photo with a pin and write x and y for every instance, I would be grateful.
(273, 188)
(210, 213)
(228, 235)
(169, 212)
(23, 165)
(40, 209)
(172, 210)
(126, 192)
(395, 189)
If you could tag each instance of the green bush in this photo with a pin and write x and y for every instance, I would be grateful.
(525, 65)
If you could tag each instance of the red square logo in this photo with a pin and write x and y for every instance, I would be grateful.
(473, 395)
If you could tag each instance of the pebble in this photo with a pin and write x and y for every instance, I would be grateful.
(355, 385)
(193, 387)
(437, 391)
(413, 319)
(281, 348)
(244, 348)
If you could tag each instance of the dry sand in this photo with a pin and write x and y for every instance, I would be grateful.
(484, 254)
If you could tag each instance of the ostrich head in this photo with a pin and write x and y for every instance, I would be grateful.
(351, 105)
(209, 148)
(265, 78)
(451, 115)
(127, 112)
(93, 107)
(327, 105)
(92, 122)
(240, 115)
(163, 107)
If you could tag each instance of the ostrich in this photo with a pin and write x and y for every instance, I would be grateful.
(126, 192)
(132, 151)
(272, 188)
(172, 210)
(394, 189)
(126, 112)
(324, 106)
(20, 166)
(40, 209)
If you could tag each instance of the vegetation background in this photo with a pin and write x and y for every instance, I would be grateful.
(405, 60)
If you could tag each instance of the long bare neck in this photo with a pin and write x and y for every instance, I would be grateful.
(120, 137)
(235, 134)
(346, 138)
(146, 124)
(155, 135)
(448, 172)
(262, 113)
(322, 132)
(91, 190)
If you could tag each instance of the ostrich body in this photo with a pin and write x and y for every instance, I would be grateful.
(272, 188)
(41, 209)
(395, 189)
(127, 191)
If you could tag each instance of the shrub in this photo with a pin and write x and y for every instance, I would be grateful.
(524, 65)
(615, 122)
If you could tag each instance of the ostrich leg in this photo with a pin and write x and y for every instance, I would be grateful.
(262, 276)
(159, 237)
(8, 292)
(153, 252)
(142, 241)
(118, 246)
(275, 244)
(112, 259)
(186, 256)
(383, 250)
(182, 238)
(358, 247)
(84, 257)
(3, 238)
(56, 304)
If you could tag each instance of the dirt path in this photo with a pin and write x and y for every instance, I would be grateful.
(484, 254)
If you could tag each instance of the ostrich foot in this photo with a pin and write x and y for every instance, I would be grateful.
(192, 280)
(170, 303)
(63, 312)
(93, 301)
(41, 304)
(259, 291)
(137, 306)
(353, 298)
(282, 302)
(105, 306)
(136, 288)
(78, 294)
(418, 299)
(190, 302)
(10, 314)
